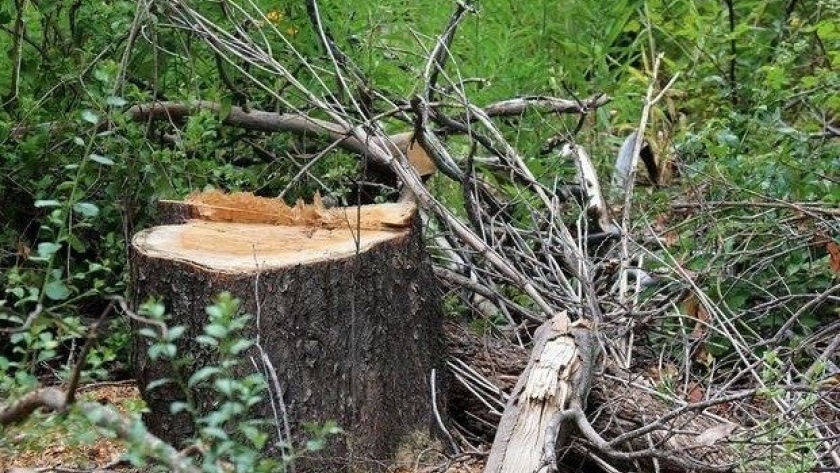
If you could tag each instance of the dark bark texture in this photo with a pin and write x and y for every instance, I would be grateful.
(352, 340)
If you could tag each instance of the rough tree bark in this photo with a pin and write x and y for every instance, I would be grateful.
(344, 302)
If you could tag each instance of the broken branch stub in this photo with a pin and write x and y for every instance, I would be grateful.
(533, 418)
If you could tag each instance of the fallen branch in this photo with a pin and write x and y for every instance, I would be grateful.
(256, 120)
(270, 122)
(625, 415)
(556, 378)
(812, 209)
(545, 104)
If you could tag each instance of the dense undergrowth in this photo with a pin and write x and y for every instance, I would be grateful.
(748, 134)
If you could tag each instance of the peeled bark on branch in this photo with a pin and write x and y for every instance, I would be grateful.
(557, 377)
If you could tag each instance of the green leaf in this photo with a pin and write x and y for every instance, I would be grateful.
(90, 116)
(162, 350)
(215, 432)
(240, 346)
(205, 340)
(314, 445)
(47, 249)
(147, 332)
(176, 332)
(86, 209)
(169, 350)
(178, 406)
(214, 311)
(157, 383)
(202, 374)
(101, 74)
(216, 331)
(76, 243)
(632, 26)
(225, 107)
(224, 386)
(47, 203)
(827, 30)
(57, 291)
(116, 101)
(331, 428)
(103, 160)
(254, 434)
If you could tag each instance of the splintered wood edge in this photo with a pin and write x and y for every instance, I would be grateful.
(246, 208)
(244, 248)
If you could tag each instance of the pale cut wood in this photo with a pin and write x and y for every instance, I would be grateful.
(234, 247)
(416, 155)
(241, 232)
(527, 434)
(245, 207)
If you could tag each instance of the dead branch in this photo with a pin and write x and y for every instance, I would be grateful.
(557, 376)
(339, 133)
(255, 120)
(438, 56)
(811, 209)
(545, 104)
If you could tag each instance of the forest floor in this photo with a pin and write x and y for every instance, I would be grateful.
(43, 444)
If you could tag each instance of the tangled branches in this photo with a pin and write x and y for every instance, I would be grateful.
(518, 246)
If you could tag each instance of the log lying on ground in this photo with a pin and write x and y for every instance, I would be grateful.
(557, 377)
(615, 407)
(345, 307)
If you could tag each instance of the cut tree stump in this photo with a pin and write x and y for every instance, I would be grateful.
(344, 304)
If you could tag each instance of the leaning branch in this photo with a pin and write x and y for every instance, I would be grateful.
(557, 377)
(271, 122)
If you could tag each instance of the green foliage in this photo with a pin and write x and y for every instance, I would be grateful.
(798, 437)
(72, 430)
(78, 176)
(231, 436)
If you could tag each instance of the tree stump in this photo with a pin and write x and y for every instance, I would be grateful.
(344, 303)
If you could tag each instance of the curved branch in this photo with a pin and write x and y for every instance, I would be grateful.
(355, 140)
(258, 120)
